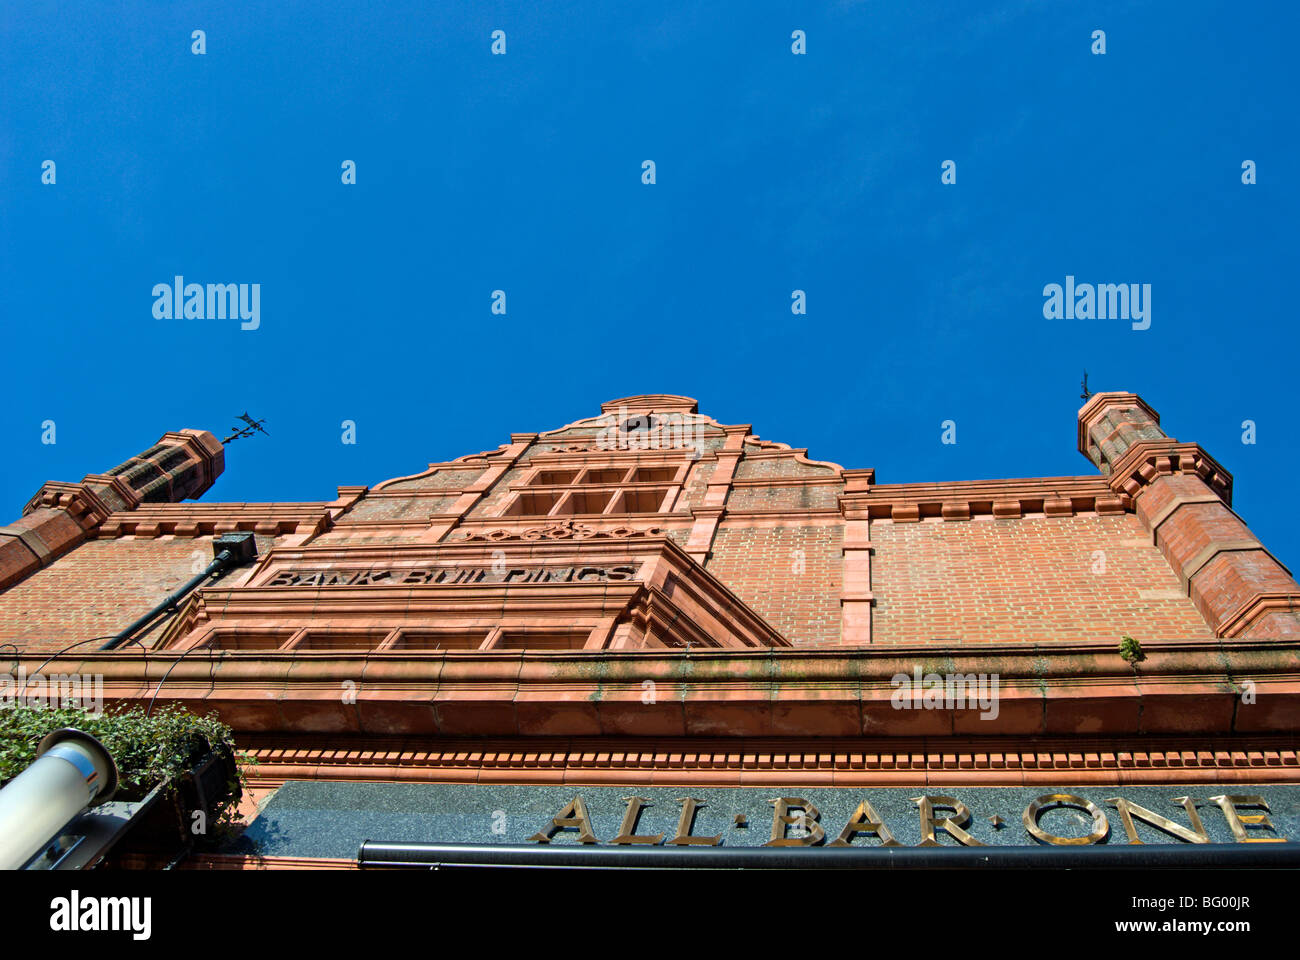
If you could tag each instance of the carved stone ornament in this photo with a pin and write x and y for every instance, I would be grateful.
(566, 530)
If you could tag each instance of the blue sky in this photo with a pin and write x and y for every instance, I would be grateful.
(522, 172)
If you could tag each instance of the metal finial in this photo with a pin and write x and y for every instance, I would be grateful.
(253, 426)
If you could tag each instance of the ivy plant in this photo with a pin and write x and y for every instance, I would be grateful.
(149, 749)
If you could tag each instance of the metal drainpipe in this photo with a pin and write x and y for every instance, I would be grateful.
(235, 549)
(1127, 856)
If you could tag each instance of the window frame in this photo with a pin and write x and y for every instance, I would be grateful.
(582, 487)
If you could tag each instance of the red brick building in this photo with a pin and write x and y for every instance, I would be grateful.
(647, 597)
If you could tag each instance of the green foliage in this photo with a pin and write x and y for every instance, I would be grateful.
(149, 750)
(1131, 650)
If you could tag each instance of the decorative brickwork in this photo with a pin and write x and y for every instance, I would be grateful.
(858, 763)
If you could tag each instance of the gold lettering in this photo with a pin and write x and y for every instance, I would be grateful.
(572, 817)
(1237, 820)
(781, 819)
(684, 822)
(950, 825)
(630, 817)
(1100, 826)
(1128, 810)
(865, 820)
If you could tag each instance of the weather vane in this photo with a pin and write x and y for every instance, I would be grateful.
(253, 426)
(1084, 383)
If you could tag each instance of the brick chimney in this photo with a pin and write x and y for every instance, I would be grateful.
(1184, 497)
(179, 466)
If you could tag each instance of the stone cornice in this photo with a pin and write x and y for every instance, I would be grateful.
(938, 761)
(1067, 688)
(963, 499)
(859, 481)
(208, 519)
(1146, 460)
(643, 590)
(78, 499)
(59, 518)
(652, 403)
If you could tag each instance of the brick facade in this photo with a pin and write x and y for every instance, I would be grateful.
(1150, 547)
(100, 587)
(790, 574)
(535, 592)
(1034, 579)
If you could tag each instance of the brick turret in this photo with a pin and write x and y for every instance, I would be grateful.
(60, 516)
(1184, 498)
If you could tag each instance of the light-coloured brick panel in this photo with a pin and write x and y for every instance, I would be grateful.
(1031, 579)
